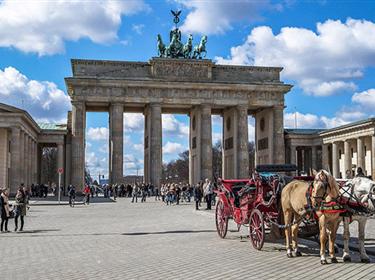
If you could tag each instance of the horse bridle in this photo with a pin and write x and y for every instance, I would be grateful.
(325, 185)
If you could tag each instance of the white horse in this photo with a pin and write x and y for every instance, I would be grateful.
(359, 189)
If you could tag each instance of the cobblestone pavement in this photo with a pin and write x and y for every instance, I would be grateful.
(150, 241)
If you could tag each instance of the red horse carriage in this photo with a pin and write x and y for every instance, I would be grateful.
(255, 203)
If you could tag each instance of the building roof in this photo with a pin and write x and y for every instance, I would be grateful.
(307, 131)
(365, 121)
(52, 126)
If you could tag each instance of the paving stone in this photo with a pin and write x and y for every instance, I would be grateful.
(151, 241)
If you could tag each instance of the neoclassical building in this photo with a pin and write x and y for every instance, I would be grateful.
(21, 143)
(196, 87)
(341, 149)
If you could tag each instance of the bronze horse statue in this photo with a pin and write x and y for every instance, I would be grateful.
(200, 49)
(161, 46)
(301, 198)
(188, 47)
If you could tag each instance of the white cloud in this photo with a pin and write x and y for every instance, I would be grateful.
(42, 99)
(43, 26)
(322, 63)
(173, 148)
(217, 17)
(216, 137)
(172, 126)
(133, 122)
(366, 99)
(138, 28)
(251, 132)
(97, 133)
(344, 116)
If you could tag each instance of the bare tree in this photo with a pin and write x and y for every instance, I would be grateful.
(49, 165)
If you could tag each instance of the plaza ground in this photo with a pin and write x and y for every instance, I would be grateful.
(121, 240)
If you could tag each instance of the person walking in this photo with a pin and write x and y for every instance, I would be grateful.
(197, 192)
(208, 191)
(72, 195)
(4, 210)
(87, 192)
(20, 208)
(135, 193)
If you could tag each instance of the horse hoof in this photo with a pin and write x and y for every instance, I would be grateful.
(347, 258)
(289, 255)
(298, 254)
(365, 260)
(323, 262)
(334, 260)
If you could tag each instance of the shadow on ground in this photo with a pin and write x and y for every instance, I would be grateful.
(166, 232)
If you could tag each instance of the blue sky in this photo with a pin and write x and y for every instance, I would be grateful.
(327, 49)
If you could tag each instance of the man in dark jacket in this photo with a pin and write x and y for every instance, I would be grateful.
(197, 192)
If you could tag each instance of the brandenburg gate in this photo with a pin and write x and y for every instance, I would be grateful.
(197, 87)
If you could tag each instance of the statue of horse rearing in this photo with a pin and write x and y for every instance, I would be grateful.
(294, 200)
(200, 49)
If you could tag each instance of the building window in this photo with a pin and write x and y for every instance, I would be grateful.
(339, 153)
(365, 150)
(352, 152)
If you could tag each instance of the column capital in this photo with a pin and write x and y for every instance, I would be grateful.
(76, 103)
(155, 104)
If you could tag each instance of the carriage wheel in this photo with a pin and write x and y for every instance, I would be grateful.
(256, 229)
(221, 219)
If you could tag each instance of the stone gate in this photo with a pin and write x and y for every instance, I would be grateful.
(198, 88)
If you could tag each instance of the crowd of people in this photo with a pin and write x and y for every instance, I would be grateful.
(172, 193)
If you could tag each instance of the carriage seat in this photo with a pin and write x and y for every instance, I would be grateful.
(239, 191)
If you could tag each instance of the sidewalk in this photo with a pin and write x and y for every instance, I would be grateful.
(52, 200)
(353, 244)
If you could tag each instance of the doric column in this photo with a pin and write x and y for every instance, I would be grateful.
(39, 153)
(313, 157)
(15, 159)
(347, 159)
(30, 163)
(242, 142)
(68, 160)
(78, 144)
(373, 156)
(206, 142)
(335, 160)
(60, 160)
(153, 144)
(278, 135)
(26, 160)
(194, 146)
(293, 150)
(325, 157)
(116, 143)
(34, 181)
(360, 156)
(23, 158)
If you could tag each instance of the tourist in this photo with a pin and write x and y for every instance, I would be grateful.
(87, 192)
(71, 194)
(115, 191)
(360, 172)
(208, 191)
(4, 210)
(144, 192)
(157, 193)
(197, 192)
(19, 208)
(163, 192)
(135, 193)
(178, 195)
